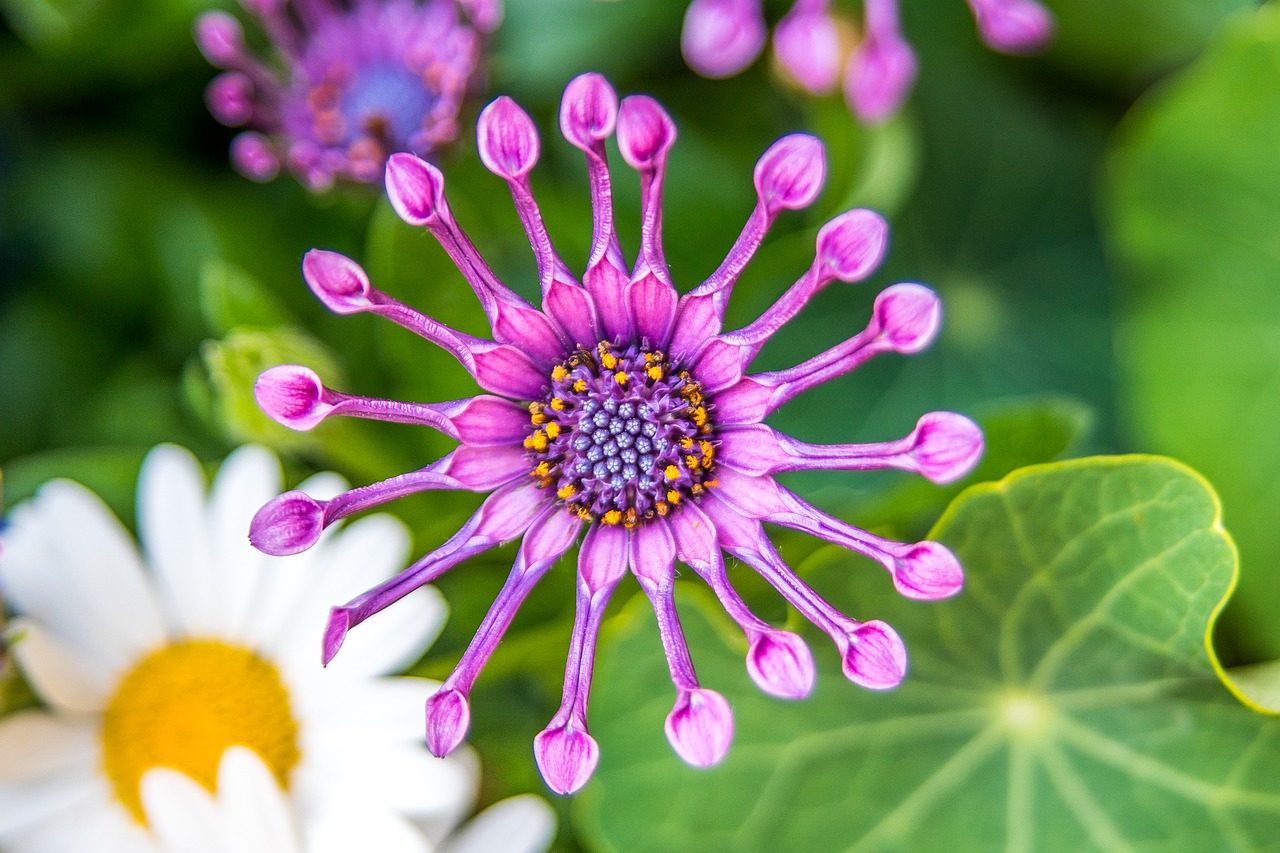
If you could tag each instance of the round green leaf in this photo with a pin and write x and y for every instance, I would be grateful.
(1193, 197)
(1065, 700)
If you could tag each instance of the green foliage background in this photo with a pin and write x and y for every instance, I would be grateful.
(1103, 225)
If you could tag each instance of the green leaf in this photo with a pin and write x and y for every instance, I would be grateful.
(1065, 700)
(230, 297)
(1193, 198)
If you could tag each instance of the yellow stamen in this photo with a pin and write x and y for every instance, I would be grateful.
(558, 373)
(558, 404)
(183, 705)
(672, 472)
(567, 491)
(537, 441)
(686, 442)
(553, 429)
(543, 469)
(699, 415)
(655, 372)
(580, 386)
(692, 462)
(621, 377)
(673, 496)
(613, 516)
(538, 419)
(663, 507)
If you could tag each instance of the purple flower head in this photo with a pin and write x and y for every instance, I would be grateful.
(352, 82)
(621, 413)
(722, 37)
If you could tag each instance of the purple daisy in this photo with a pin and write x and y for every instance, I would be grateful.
(723, 37)
(623, 412)
(358, 80)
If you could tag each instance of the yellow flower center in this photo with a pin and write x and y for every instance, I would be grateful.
(183, 705)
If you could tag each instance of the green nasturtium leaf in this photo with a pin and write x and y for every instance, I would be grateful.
(1193, 201)
(1065, 700)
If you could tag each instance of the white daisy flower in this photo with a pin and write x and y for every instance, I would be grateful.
(187, 710)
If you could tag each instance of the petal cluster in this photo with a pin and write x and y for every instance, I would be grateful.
(723, 37)
(349, 82)
(622, 414)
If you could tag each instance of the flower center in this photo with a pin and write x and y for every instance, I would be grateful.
(622, 436)
(387, 102)
(183, 705)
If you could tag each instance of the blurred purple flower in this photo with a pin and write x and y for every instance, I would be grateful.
(637, 425)
(351, 83)
(722, 37)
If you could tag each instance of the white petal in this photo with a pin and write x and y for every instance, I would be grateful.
(391, 640)
(97, 826)
(181, 813)
(175, 538)
(354, 559)
(343, 830)
(366, 710)
(247, 479)
(70, 564)
(48, 769)
(255, 812)
(57, 671)
(523, 824)
(408, 780)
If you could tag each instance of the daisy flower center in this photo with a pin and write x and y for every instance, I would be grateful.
(183, 705)
(622, 436)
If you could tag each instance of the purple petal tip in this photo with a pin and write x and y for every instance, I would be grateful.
(927, 571)
(337, 281)
(645, 132)
(415, 188)
(700, 727)
(875, 658)
(291, 395)
(947, 446)
(880, 73)
(722, 37)
(781, 665)
(852, 245)
(566, 756)
(287, 524)
(219, 37)
(1014, 26)
(791, 173)
(588, 110)
(334, 633)
(507, 138)
(909, 316)
(254, 156)
(808, 47)
(448, 718)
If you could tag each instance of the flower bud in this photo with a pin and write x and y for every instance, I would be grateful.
(808, 46)
(927, 571)
(566, 756)
(645, 132)
(875, 657)
(852, 245)
(908, 316)
(337, 281)
(588, 110)
(700, 727)
(507, 138)
(722, 37)
(287, 524)
(415, 188)
(448, 718)
(781, 665)
(791, 173)
(947, 446)
(292, 395)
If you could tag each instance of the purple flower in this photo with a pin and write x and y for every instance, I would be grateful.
(723, 37)
(357, 80)
(622, 412)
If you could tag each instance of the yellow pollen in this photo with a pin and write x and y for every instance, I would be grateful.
(663, 507)
(543, 469)
(537, 441)
(567, 491)
(613, 516)
(672, 472)
(608, 359)
(686, 443)
(553, 429)
(183, 705)
(699, 415)
(697, 488)
(673, 496)
(538, 419)
(692, 462)
(655, 372)
(621, 377)
(535, 408)
(580, 386)
(558, 373)
(557, 403)
(631, 517)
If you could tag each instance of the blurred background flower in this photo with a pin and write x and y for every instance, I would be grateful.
(193, 674)
(347, 85)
